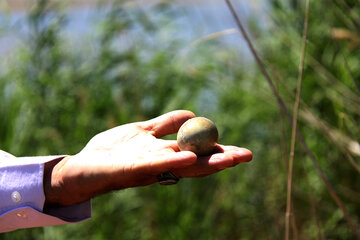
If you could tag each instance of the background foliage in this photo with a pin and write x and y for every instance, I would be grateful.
(55, 96)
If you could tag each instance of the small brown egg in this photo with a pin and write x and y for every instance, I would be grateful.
(198, 135)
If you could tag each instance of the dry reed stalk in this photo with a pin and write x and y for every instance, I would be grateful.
(343, 142)
(289, 117)
(294, 126)
(340, 88)
(208, 37)
(335, 137)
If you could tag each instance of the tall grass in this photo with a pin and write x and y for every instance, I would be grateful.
(54, 98)
(295, 132)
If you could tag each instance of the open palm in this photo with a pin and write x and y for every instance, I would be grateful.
(133, 155)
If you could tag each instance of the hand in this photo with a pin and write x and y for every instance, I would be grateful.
(132, 155)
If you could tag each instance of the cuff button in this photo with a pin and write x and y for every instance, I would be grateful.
(16, 197)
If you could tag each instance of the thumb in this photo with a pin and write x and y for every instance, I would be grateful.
(168, 123)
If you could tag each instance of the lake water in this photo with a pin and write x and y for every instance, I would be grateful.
(194, 22)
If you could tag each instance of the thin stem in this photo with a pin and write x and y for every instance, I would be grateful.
(294, 126)
(327, 131)
(289, 117)
(258, 60)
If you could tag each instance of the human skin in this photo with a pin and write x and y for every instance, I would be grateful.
(132, 155)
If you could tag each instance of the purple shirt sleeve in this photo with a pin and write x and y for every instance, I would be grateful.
(22, 196)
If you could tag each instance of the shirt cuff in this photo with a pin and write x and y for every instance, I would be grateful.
(21, 184)
(22, 194)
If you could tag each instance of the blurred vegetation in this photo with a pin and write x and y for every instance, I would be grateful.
(54, 97)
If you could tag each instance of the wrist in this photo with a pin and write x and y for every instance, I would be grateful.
(50, 182)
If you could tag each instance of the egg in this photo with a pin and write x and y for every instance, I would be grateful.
(198, 135)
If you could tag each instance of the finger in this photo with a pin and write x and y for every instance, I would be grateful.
(169, 161)
(230, 157)
(168, 123)
(226, 157)
(240, 155)
(221, 161)
(226, 153)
